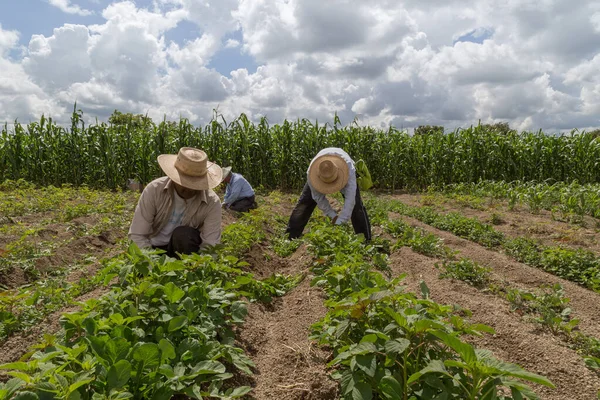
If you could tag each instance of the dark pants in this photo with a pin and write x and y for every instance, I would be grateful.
(184, 240)
(306, 205)
(244, 204)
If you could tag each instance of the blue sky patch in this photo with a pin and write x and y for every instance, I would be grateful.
(230, 59)
(476, 36)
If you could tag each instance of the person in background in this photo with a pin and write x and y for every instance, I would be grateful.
(239, 195)
(180, 213)
(332, 170)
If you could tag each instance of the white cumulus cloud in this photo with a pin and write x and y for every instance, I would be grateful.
(67, 7)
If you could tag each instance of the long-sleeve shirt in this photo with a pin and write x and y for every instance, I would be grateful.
(237, 188)
(155, 208)
(349, 191)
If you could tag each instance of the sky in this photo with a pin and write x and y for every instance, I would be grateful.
(531, 63)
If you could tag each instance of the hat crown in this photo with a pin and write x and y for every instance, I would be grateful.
(192, 162)
(328, 171)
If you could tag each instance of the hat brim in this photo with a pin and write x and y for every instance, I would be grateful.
(226, 171)
(210, 180)
(328, 187)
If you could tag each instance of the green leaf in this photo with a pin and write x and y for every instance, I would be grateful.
(361, 348)
(164, 393)
(26, 396)
(148, 354)
(464, 350)
(239, 310)
(166, 349)
(391, 388)
(177, 323)
(188, 304)
(362, 391)
(81, 382)
(10, 388)
(347, 381)
(173, 293)
(91, 325)
(424, 290)
(367, 363)
(117, 349)
(19, 366)
(436, 366)
(119, 374)
(208, 367)
(117, 319)
(372, 338)
(396, 346)
(240, 391)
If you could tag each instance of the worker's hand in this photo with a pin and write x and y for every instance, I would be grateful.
(334, 219)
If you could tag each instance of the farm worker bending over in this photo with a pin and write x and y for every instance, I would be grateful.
(332, 170)
(239, 195)
(180, 213)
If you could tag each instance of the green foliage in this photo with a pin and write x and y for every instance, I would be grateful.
(166, 329)
(577, 265)
(468, 228)
(390, 344)
(108, 154)
(417, 239)
(550, 307)
(570, 200)
(468, 271)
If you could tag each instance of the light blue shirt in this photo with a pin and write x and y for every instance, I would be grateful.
(237, 188)
(349, 191)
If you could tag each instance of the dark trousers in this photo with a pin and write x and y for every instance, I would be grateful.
(244, 204)
(306, 205)
(184, 240)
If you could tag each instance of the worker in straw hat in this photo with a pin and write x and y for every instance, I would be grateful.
(332, 170)
(239, 195)
(180, 213)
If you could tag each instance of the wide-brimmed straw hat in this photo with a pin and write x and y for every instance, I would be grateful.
(328, 173)
(226, 172)
(191, 168)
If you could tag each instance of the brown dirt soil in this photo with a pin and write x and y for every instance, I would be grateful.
(515, 340)
(288, 364)
(70, 250)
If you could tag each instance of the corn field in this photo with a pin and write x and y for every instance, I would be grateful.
(277, 156)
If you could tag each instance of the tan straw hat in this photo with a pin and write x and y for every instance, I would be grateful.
(191, 169)
(328, 173)
(226, 171)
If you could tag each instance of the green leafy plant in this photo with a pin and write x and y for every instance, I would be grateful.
(468, 271)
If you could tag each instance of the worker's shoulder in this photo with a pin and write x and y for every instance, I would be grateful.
(212, 197)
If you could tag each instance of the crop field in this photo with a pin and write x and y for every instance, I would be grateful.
(470, 292)
(482, 280)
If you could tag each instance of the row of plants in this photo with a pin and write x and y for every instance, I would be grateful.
(548, 306)
(577, 265)
(276, 156)
(391, 344)
(167, 327)
(568, 199)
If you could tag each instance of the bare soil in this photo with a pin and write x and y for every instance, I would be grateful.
(276, 336)
(71, 248)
